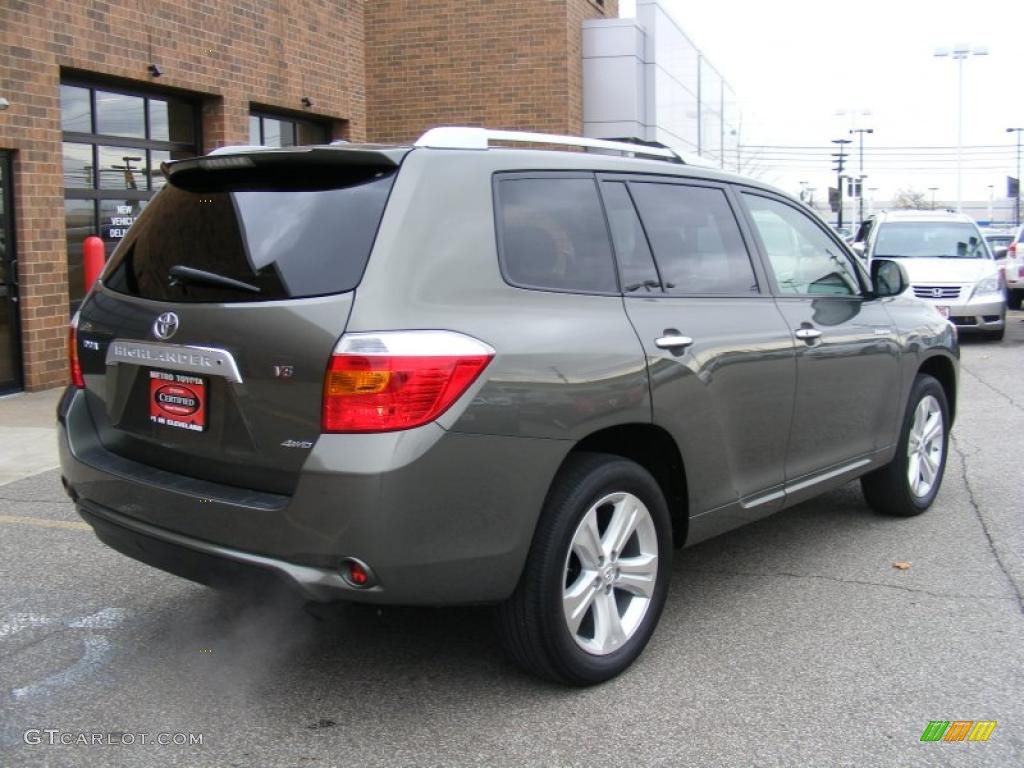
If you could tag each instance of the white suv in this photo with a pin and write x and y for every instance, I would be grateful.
(1015, 269)
(948, 262)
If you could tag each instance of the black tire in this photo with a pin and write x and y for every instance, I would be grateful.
(1014, 299)
(887, 489)
(531, 623)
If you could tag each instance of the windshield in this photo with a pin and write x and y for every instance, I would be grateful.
(929, 239)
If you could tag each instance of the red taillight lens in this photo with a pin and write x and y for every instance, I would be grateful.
(369, 389)
(73, 364)
(1011, 250)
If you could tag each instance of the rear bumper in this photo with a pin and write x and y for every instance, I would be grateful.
(439, 517)
(206, 563)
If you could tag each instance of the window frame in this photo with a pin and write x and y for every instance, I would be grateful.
(851, 258)
(739, 217)
(498, 176)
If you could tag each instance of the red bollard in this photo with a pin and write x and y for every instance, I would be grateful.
(94, 256)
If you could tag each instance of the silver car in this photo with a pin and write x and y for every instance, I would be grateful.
(949, 265)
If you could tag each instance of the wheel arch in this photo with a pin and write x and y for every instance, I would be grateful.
(942, 369)
(654, 449)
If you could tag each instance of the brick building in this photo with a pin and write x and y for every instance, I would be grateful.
(99, 92)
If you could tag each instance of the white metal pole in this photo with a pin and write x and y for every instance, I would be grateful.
(960, 133)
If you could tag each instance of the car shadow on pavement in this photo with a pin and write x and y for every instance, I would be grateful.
(269, 641)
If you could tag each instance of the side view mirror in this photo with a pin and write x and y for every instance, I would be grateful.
(888, 278)
(999, 252)
(858, 248)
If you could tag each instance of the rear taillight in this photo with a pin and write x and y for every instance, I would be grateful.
(73, 364)
(1011, 250)
(382, 382)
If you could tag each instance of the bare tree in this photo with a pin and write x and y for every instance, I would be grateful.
(909, 198)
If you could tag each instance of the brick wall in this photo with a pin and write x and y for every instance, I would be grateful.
(514, 64)
(230, 53)
(380, 69)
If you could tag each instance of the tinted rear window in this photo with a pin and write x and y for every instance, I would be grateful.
(287, 242)
(552, 235)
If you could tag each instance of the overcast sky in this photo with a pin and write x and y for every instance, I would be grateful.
(795, 63)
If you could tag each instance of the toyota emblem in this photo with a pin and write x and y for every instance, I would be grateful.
(937, 293)
(165, 326)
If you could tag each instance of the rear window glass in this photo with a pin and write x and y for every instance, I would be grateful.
(553, 236)
(278, 243)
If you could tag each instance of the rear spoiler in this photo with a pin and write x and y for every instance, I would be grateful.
(317, 167)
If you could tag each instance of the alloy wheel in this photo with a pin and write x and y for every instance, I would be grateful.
(610, 573)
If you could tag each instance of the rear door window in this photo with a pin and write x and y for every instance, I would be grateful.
(282, 241)
(636, 264)
(552, 234)
(695, 238)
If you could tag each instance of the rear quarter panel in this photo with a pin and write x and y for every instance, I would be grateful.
(566, 364)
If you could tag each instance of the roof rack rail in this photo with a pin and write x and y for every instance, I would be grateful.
(469, 137)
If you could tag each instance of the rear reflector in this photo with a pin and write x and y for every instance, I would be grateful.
(73, 363)
(392, 380)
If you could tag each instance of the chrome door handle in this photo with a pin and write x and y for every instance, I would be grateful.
(807, 334)
(672, 341)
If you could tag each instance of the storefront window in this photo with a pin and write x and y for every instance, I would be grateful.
(107, 183)
(80, 222)
(120, 115)
(279, 131)
(75, 109)
(78, 166)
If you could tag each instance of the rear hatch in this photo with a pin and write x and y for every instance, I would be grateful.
(204, 347)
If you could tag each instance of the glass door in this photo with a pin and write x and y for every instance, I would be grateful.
(10, 341)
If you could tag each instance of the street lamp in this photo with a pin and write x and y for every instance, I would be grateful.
(1016, 206)
(861, 131)
(933, 190)
(959, 53)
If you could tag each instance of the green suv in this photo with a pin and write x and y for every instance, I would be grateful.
(453, 373)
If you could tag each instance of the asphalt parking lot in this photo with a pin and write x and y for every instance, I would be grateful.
(792, 642)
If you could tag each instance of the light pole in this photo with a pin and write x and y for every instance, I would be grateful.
(861, 131)
(840, 160)
(933, 190)
(959, 53)
(1016, 202)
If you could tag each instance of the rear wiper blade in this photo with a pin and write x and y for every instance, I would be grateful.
(182, 274)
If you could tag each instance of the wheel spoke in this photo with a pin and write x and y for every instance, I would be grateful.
(577, 599)
(587, 544)
(914, 473)
(624, 519)
(608, 631)
(927, 470)
(932, 428)
(638, 574)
